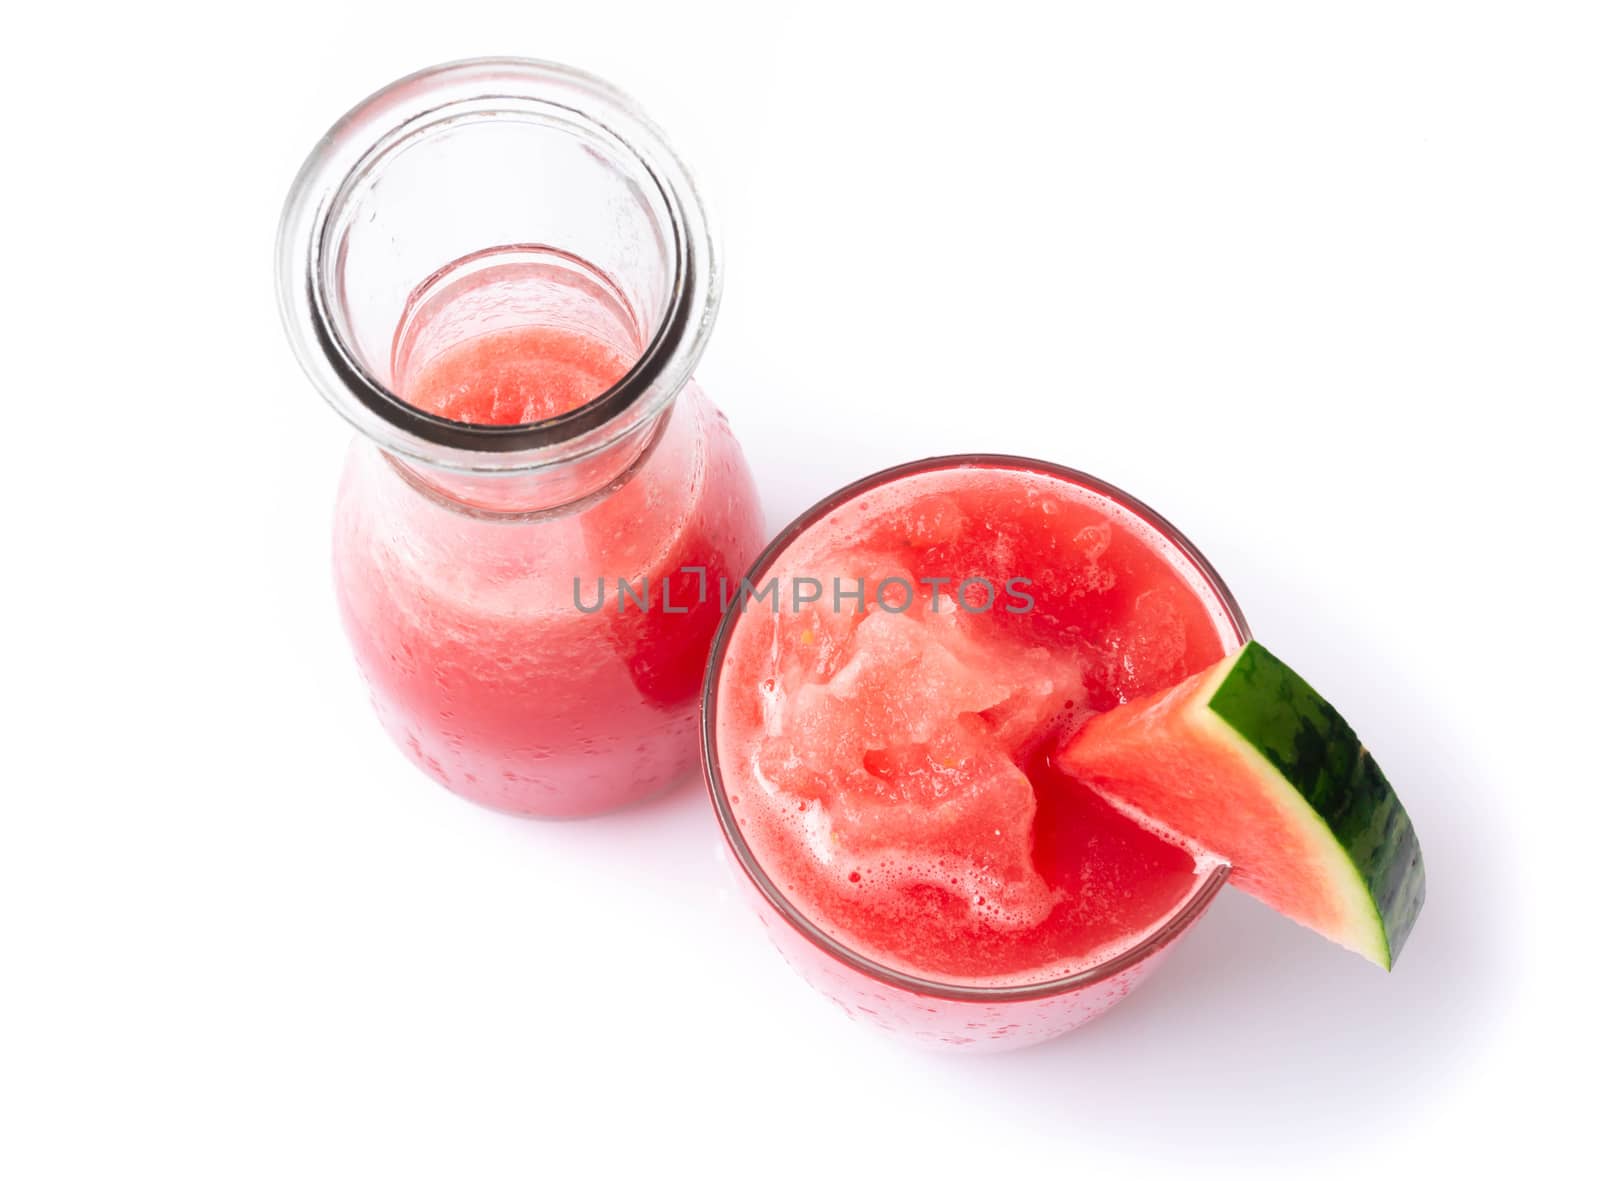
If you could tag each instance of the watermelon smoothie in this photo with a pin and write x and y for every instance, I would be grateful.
(879, 751)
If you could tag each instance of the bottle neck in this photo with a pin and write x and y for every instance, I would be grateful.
(515, 335)
(554, 489)
(553, 196)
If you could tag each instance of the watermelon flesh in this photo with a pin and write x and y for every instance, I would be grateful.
(1245, 762)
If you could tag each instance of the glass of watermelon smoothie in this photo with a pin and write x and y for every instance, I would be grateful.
(502, 276)
(882, 706)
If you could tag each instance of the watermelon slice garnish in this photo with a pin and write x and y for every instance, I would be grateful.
(1245, 762)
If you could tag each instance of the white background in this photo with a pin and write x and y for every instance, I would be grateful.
(1319, 284)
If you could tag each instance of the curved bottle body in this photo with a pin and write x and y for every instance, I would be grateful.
(502, 276)
(501, 650)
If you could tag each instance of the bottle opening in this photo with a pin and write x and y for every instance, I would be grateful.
(483, 209)
(514, 335)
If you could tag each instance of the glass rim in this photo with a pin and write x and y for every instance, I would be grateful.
(446, 94)
(1175, 924)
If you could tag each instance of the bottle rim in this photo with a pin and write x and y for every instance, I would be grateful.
(354, 149)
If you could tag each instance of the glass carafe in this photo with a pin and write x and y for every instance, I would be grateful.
(530, 598)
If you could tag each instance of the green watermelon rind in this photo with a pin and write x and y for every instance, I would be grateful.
(1271, 716)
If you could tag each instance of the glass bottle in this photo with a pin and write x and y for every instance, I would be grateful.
(929, 1010)
(524, 585)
